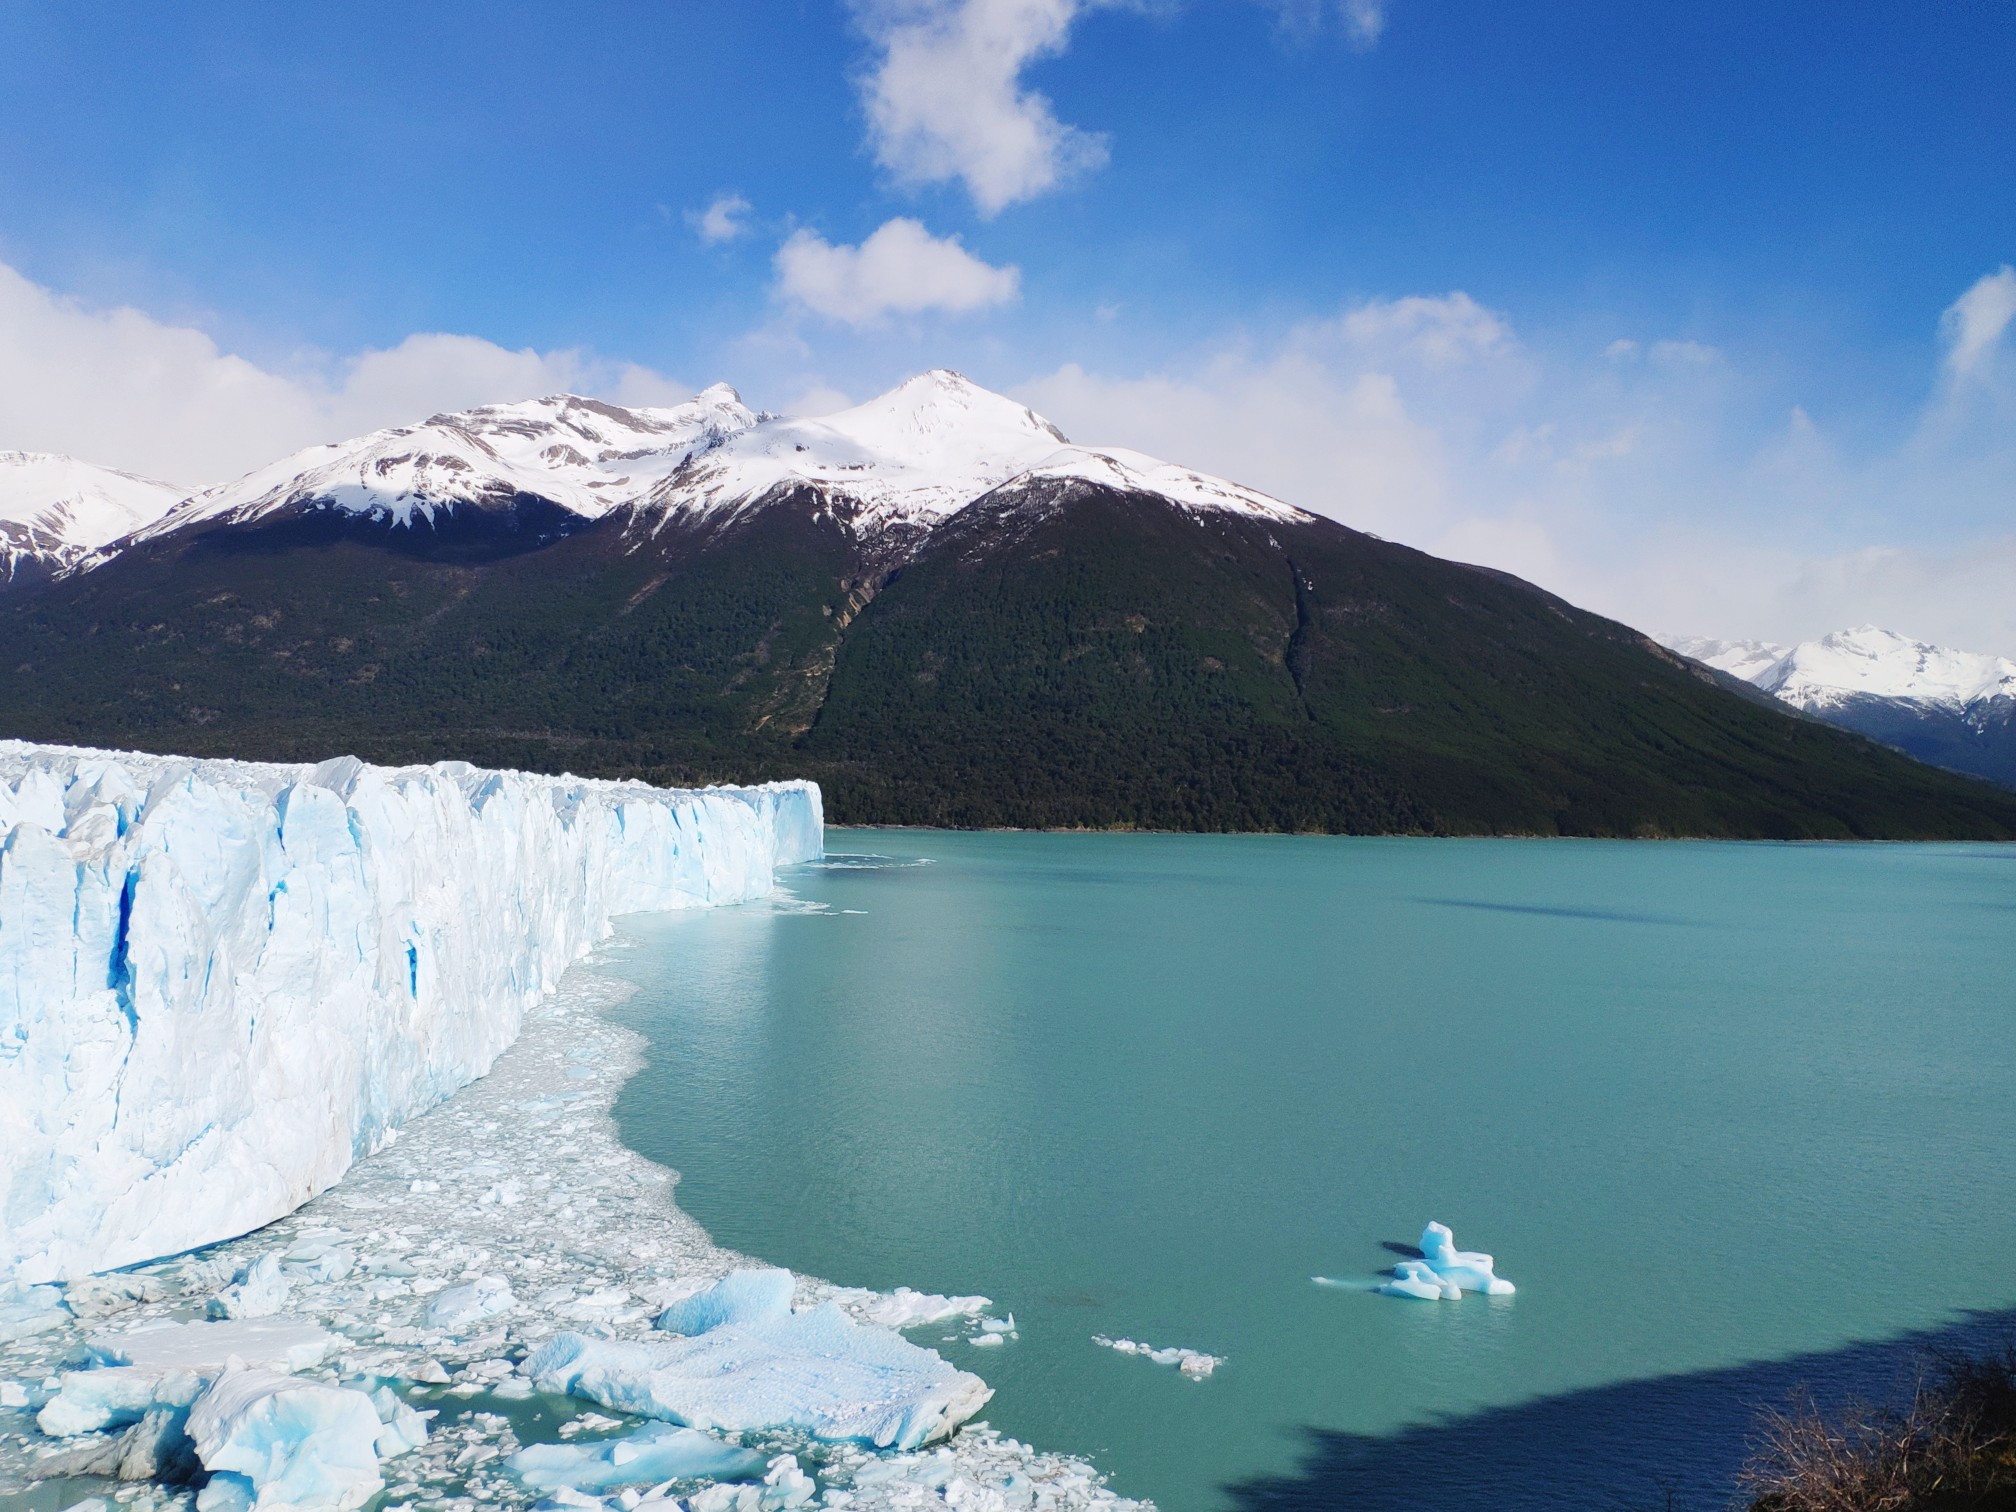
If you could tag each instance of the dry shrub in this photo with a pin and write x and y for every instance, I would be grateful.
(1952, 1450)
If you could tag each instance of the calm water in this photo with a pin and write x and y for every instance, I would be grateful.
(1728, 1114)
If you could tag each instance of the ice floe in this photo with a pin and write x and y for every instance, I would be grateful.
(656, 1452)
(273, 1441)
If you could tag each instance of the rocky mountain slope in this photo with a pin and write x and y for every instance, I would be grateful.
(937, 607)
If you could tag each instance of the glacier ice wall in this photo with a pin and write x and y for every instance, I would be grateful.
(221, 982)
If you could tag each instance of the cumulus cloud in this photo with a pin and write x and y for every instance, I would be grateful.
(945, 99)
(1973, 324)
(1647, 481)
(724, 219)
(120, 388)
(902, 269)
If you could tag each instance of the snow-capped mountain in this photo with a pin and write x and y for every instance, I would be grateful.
(913, 456)
(580, 454)
(1951, 708)
(54, 510)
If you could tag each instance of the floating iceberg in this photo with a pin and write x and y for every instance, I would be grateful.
(1471, 1270)
(655, 1452)
(460, 1306)
(282, 964)
(281, 1442)
(817, 1371)
(905, 1308)
(259, 1291)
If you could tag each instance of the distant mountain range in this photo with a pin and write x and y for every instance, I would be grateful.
(932, 603)
(1954, 709)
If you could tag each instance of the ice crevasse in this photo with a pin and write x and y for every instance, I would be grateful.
(221, 982)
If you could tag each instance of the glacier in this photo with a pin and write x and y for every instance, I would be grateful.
(222, 982)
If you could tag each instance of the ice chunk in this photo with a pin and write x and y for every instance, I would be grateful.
(1194, 1364)
(655, 1452)
(283, 964)
(90, 1401)
(30, 1310)
(301, 1445)
(404, 1428)
(260, 1290)
(1414, 1278)
(741, 1297)
(817, 1371)
(460, 1306)
(267, 1343)
(1472, 1270)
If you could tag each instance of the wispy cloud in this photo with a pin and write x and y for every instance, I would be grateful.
(902, 269)
(946, 100)
(724, 219)
(1648, 480)
(1973, 324)
(1363, 21)
(123, 389)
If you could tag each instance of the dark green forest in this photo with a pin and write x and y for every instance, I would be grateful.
(1057, 655)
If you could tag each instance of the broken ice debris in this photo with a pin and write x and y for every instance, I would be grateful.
(1193, 1363)
(259, 1291)
(278, 1441)
(460, 1306)
(655, 1452)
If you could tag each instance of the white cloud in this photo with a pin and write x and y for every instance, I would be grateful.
(1973, 324)
(946, 101)
(123, 389)
(902, 269)
(1663, 482)
(724, 219)
(1364, 21)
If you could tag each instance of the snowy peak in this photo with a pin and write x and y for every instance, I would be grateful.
(1747, 659)
(921, 452)
(55, 509)
(1883, 664)
(927, 447)
(582, 454)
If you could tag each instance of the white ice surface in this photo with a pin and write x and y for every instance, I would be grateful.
(1418, 1279)
(221, 982)
(655, 1452)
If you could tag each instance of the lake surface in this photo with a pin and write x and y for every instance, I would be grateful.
(1734, 1117)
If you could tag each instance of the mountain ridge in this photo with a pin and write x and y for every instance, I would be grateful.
(946, 614)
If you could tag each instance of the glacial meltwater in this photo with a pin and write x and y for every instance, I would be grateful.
(1736, 1119)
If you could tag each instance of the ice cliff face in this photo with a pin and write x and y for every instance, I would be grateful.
(220, 982)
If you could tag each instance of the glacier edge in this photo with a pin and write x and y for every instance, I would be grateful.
(223, 981)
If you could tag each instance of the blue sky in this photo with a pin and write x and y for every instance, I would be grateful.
(1695, 312)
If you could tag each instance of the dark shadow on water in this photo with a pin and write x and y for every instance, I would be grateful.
(1604, 914)
(1405, 1251)
(1642, 1446)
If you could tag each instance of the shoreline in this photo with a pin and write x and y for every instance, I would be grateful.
(522, 1175)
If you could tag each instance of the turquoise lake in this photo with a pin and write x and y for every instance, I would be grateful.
(1733, 1117)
